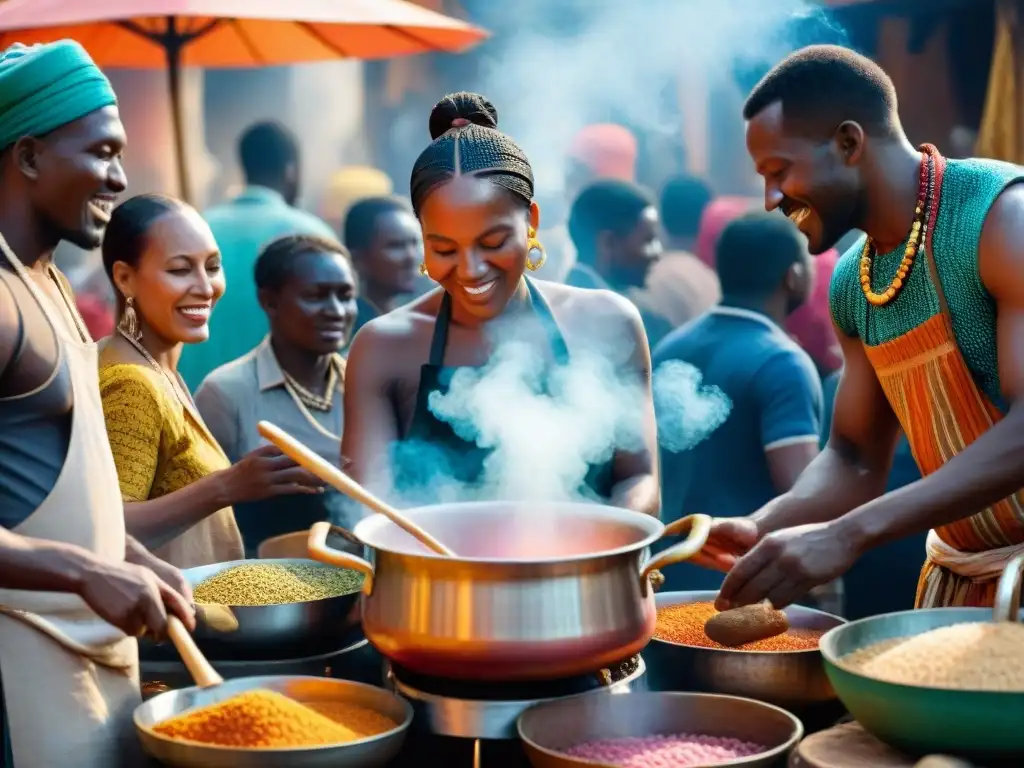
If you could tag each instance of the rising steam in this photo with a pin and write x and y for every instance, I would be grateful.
(545, 425)
(557, 66)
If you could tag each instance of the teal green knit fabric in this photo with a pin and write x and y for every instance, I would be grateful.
(969, 188)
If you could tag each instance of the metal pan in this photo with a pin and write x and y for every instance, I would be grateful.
(795, 680)
(550, 728)
(538, 591)
(289, 630)
(373, 752)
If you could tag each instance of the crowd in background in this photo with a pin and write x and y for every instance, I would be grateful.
(718, 285)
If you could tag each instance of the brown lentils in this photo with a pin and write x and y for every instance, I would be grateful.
(277, 584)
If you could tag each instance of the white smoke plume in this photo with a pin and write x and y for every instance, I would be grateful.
(567, 63)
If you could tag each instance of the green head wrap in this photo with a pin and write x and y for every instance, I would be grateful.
(43, 87)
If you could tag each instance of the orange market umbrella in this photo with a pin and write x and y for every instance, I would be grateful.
(232, 33)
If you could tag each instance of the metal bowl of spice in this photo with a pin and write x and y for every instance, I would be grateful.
(947, 680)
(786, 670)
(285, 607)
(274, 722)
(658, 729)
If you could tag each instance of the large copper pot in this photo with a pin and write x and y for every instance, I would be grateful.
(538, 591)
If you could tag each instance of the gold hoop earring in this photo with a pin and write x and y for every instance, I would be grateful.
(129, 323)
(535, 253)
(423, 268)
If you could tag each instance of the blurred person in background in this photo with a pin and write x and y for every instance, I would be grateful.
(811, 324)
(93, 296)
(616, 231)
(599, 151)
(295, 378)
(773, 429)
(264, 211)
(177, 484)
(349, 185)
(680, 286)
(386, 244)
(714, 219)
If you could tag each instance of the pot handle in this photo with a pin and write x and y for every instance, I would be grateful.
(1007, 602)
(699, 527)
(321, 552)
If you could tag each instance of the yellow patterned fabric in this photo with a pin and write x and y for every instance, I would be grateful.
(1002, 126)
(160, 448)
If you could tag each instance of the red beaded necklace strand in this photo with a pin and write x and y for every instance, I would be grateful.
(918, 234)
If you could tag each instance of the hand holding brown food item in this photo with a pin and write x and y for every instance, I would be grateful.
(748, 624)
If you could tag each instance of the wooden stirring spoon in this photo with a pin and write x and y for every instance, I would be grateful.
(195, 662)
(330, 474)
(739, 626)
(219, 618)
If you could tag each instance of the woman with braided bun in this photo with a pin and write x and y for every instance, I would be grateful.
(472, 191)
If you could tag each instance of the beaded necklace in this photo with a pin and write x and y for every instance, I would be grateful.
(918, 234)
(310, 399)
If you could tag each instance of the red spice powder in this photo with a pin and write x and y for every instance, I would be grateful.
(684, 624)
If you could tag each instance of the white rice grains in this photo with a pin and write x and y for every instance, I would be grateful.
(982, 656)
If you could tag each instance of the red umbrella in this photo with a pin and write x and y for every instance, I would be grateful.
(232, 33)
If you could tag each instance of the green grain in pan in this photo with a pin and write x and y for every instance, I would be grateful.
(277, 584)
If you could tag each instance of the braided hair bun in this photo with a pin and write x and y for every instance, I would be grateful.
(461, 109)
(466, 140)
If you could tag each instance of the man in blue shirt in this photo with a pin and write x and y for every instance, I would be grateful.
(740, 347)
(265, 211)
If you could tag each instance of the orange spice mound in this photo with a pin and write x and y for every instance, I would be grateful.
(684, 624)
(363, 722)
(268, 720)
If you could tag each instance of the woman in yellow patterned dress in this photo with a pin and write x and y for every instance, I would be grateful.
(177, 484)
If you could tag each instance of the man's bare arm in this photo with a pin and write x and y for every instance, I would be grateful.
(854, 466)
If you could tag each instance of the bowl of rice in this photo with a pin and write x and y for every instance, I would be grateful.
(939, 680)
(656, 729)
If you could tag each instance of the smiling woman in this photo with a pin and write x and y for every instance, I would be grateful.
(176, 481)
(472, 191)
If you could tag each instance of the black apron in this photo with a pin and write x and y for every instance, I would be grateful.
(433, 451)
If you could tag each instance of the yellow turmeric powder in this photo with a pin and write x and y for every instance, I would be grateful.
(266, 720)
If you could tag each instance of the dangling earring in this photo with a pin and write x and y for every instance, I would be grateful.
(535, 254)
(129, 324)
(423, 269)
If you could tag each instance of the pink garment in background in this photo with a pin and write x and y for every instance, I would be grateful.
(97, 315)
(811, 325)
(608, 150)
(718, 213)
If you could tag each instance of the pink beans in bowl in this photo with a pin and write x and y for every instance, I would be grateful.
(657, 730)
(678, 751)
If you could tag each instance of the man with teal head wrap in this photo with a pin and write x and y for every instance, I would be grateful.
(75, 591)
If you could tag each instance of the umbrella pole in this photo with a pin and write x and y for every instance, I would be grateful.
(173, 46)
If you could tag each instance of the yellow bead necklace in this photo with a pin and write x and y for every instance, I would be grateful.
(918, 235)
